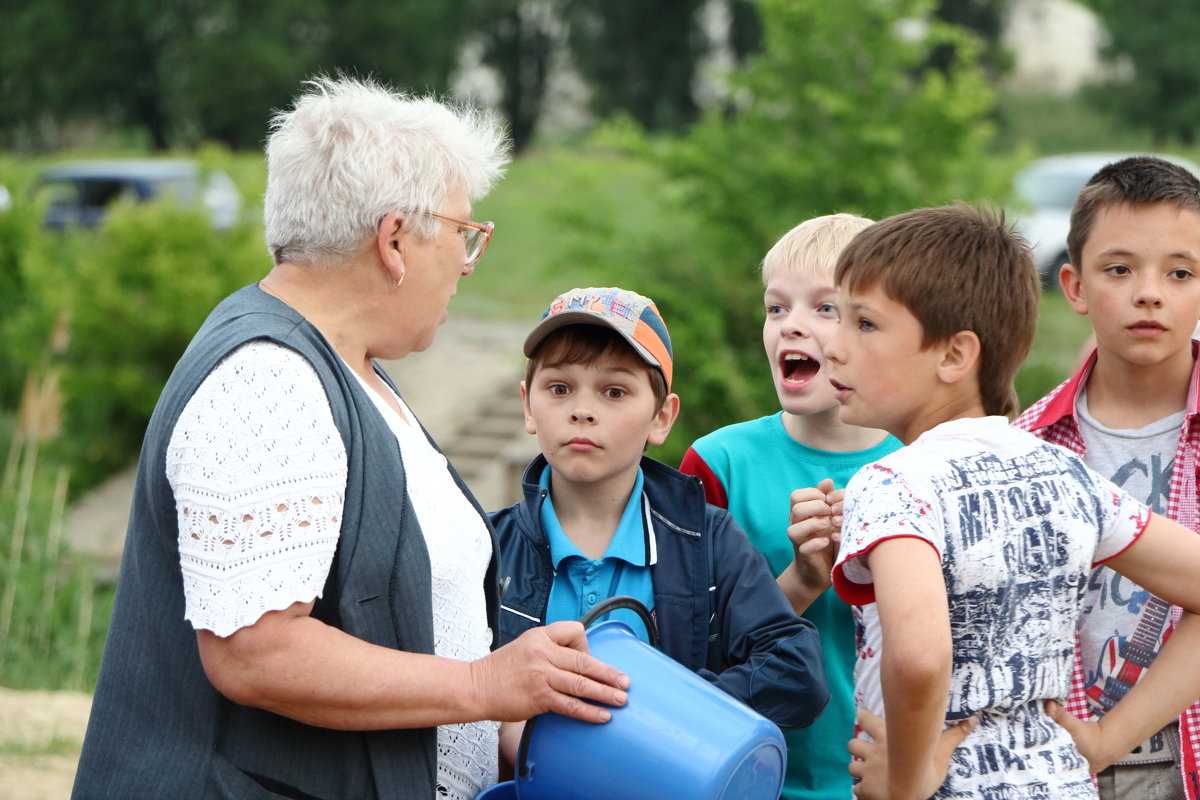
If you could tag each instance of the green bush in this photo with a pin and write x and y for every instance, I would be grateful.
(131, 295)
(103, 315)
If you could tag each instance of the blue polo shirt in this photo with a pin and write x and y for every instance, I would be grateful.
(581, 582)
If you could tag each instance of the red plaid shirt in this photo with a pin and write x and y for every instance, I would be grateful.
(1053, 419)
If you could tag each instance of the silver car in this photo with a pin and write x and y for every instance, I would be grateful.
(80, 192)
(1045, 191)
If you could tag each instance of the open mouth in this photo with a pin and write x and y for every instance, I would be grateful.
(798, 368)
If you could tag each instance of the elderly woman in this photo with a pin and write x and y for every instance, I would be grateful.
(307, 600)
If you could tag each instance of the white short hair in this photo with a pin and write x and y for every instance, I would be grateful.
(351, 151)
(811, 249)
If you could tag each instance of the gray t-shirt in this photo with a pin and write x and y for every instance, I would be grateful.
(1140, 462)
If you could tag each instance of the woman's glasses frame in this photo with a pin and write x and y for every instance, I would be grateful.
(475, 235)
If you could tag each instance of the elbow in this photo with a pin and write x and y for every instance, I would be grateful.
(915, 674)
(789, 688)
(227, 671)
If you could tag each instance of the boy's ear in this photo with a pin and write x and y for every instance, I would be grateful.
(530, 425)
(1072, 288)
(960, 357)
(660, 426)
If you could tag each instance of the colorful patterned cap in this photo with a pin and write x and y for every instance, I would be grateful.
(627, 313)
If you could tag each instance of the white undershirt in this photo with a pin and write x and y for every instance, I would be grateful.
(259, 474)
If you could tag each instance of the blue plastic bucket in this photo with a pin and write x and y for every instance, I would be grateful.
(501, 791)
(677, 736)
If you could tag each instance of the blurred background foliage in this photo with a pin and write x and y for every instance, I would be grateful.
(691, 135)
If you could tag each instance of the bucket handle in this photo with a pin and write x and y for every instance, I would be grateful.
(623, 601)
(594, 613)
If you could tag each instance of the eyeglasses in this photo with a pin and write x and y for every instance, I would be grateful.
(475, 236)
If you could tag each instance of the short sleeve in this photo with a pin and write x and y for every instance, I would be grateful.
(258, 469)
(895, 508)
(1122, 518)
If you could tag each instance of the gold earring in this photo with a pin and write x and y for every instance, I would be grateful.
(396, 283)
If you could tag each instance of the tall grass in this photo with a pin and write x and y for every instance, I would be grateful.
(53, 612)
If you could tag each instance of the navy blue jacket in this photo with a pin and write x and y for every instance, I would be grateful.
(717, 608)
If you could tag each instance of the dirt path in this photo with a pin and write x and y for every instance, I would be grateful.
(473, 366)
(40, 735)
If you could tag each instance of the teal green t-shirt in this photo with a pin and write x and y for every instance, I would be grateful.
(758, 466)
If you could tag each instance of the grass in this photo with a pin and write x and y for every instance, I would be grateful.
(56, 745)
(1056, 348)
(53, 614)
(1054, 124)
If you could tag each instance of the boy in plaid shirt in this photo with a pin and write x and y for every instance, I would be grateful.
(1131, 413)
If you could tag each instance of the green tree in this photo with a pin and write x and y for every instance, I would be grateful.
(518, 39)
(241, 60)
(63, 61)
(184, 70)
(413, 45)
(639, 57)
(635, 58)
(985, 19)
(841, 112)
(1157, 39)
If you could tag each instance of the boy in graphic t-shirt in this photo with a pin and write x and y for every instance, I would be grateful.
(969, 549)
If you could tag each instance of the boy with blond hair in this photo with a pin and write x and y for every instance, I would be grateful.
(1131, 413)
(753, 467)
(600, 519)
(968, 550)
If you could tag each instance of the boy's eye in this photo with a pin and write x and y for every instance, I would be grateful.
(1117, 269)
(865, 324)
(827, 309)
(614, 393)
(773, 309)
(1181, 274)
(557, 389)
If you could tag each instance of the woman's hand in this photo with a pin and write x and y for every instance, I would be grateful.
(870, 764)
(547, 669)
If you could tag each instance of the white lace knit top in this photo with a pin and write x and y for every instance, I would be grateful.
(258, 470)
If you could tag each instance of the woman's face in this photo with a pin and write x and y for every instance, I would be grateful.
(433, 268)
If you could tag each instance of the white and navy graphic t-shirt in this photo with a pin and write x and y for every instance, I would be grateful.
(1124, 625)
(1018, 525)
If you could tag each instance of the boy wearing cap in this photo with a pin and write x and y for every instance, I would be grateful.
(600, 519)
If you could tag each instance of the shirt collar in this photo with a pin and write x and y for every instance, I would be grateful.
(1063, 403)
(633, 541)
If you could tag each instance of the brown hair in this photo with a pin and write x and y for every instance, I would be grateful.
(955, 268)
(587, 344)
(1136, 181)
